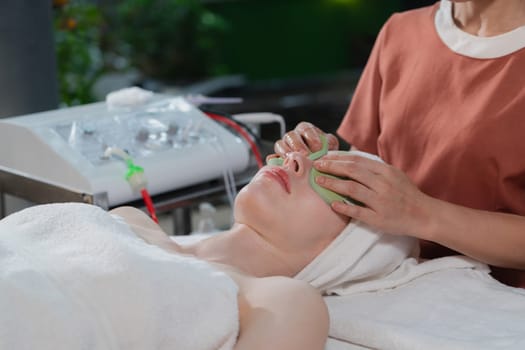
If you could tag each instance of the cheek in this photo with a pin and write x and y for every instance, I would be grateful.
(313, 213)
(313, 223)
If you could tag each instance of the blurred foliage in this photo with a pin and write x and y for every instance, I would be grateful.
(172, 40)
(182, 41)
(77, 34)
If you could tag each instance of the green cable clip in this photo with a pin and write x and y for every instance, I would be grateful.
(132, 169)
(135, 176)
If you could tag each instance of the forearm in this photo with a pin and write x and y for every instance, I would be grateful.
(494, 238)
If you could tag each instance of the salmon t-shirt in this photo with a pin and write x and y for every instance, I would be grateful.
(448, 109)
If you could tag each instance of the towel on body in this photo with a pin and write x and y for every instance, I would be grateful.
(73, 277)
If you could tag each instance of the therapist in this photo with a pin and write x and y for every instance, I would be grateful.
(442, 101)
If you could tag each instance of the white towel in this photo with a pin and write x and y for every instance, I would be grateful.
(447, 303)
(359, 254)
(73, 277)
(382, 298)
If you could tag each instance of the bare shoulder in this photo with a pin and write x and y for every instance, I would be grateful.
(281, 313)
(147, 229)
(134, 216)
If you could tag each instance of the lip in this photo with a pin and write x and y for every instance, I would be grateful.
(279, 175)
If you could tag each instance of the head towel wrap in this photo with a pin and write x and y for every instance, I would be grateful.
(358, 254)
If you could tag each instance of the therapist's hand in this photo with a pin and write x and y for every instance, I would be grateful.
(305, 139)
(393, 204)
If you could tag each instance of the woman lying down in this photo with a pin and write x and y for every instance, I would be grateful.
(73, 276)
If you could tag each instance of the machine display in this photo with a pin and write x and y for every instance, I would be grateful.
(175, 143)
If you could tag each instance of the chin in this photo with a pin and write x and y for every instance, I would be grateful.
(252, 210)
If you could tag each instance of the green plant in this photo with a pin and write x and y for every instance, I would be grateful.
(77, 35)
(177, 40)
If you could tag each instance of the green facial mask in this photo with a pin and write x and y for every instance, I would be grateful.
(327, 195)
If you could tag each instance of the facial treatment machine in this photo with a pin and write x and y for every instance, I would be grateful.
(69, 150)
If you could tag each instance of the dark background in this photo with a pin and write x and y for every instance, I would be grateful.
(297, 58)
(301, 59)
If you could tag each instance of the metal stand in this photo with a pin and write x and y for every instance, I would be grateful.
(39, 192)
(2, 205)
(182, 221)
(178, 202)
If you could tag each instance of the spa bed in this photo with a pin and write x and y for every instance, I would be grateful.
(454, 308)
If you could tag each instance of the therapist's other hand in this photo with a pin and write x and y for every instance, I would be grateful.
(305, 139)
(393, 204)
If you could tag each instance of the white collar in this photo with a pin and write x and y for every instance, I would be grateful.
(474, 46)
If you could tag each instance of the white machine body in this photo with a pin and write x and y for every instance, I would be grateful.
(175, 143)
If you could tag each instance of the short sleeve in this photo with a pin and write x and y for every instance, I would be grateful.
(360, 126)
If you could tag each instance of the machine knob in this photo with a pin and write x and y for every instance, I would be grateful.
(172, 129)
(142, 135)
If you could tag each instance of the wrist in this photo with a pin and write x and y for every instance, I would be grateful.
(426, 225)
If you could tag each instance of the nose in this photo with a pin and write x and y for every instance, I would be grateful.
(297, 163)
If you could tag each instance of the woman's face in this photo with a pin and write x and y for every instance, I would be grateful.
(282, 207)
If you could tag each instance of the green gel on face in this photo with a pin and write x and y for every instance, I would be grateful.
(327, 195)
(278, 161)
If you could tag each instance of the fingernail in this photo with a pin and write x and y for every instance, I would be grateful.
(319, 164)
(320, 179)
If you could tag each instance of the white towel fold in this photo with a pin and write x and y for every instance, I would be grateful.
(357, 255)
(73, 277)
(446, 303)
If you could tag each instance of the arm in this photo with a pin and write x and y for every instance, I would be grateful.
(282, 314)
(494, 238)
(395, 205)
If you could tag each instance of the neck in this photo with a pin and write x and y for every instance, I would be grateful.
(489, 17)
(243, 248)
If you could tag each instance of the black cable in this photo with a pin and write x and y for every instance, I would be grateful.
(256, 138)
